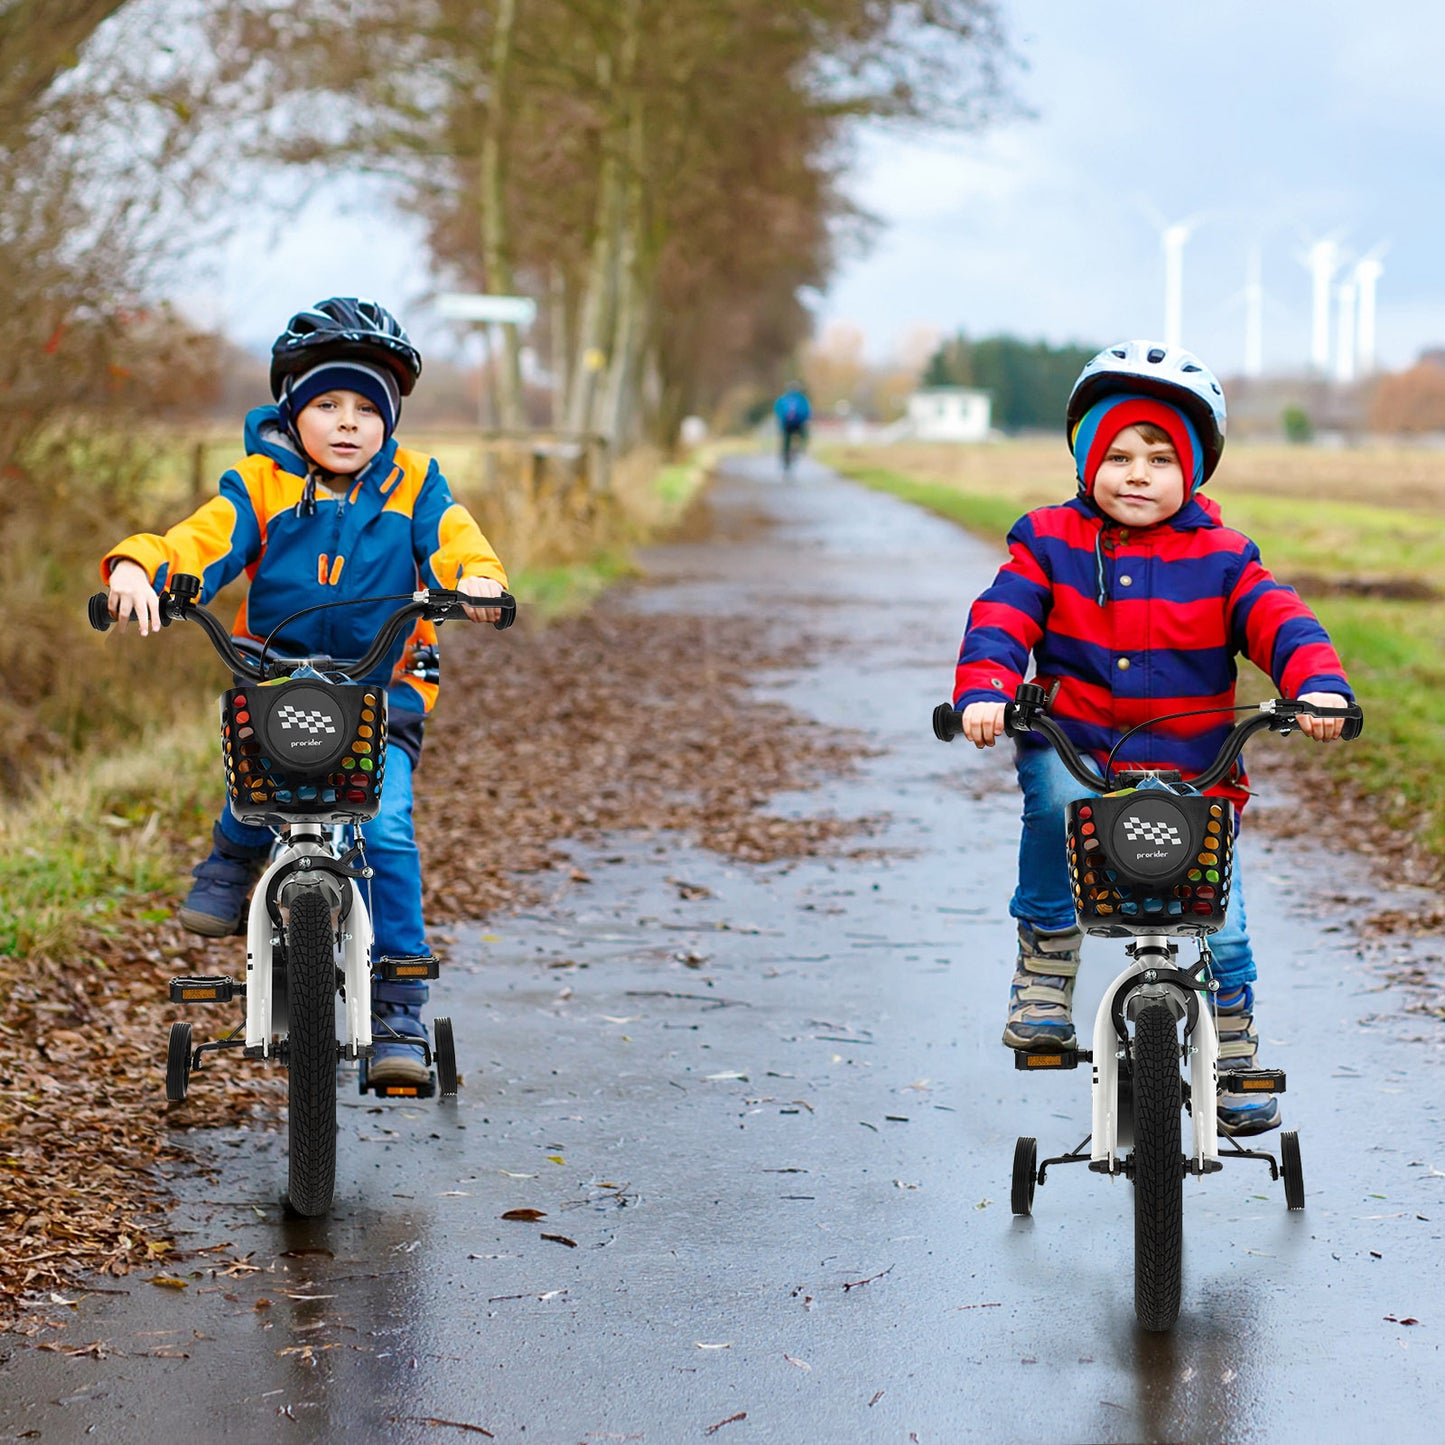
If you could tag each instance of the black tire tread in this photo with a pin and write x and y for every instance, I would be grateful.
(1026, 1156)
(1158, 1169)
(178, 1062)
(1291, 1170)
(311, 1053)
(446, 1058)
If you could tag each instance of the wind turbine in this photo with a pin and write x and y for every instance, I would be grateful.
(1345, 347)
(1253, 315)
(1173, 237)
(1322, 260)
(1367, 273)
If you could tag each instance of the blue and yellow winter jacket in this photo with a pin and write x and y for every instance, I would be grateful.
(395, 528)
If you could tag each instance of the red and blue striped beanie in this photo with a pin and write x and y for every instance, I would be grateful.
(1109, 416)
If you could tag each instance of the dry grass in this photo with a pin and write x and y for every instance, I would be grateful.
(541, 514)
(1038, 471)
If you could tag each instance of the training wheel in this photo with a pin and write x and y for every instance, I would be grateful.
(178, 1063)
(1289, 1168)
(1026, 1155)
(446, 1057)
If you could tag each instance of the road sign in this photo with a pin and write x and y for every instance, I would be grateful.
(474, 306)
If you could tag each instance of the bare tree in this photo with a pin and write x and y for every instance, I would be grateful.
(39, 39)
(660, 173)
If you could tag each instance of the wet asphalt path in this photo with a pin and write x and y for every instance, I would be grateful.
(768, 1122)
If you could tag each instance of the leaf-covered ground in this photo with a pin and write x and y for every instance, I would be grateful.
(600, 723)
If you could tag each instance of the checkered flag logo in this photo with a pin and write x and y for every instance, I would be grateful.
(304, 720)
(1141, 830)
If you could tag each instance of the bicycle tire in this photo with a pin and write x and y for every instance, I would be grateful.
(1026, 1171)
(1158, 1169)
(178, 1063)
(311, 1053)
(1291, 1170)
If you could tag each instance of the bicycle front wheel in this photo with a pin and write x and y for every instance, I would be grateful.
(1158, 1169)
(311, 1053)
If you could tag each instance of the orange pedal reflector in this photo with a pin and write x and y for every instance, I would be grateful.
(1063, 1059)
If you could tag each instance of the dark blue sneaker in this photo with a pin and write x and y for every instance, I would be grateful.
(393, 1062)
(216, 903)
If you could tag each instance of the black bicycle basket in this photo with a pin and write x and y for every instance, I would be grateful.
(304, 749)
(1150, 861)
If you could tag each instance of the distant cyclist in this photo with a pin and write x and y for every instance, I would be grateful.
(792, 411)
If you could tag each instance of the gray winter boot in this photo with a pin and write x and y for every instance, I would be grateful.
(1042, 992)
(1239, 1049)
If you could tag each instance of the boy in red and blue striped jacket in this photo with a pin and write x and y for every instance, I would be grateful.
(1134, 600)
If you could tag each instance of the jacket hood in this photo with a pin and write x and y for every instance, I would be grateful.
(266, 436)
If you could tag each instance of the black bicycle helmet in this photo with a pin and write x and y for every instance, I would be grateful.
(344, 328)
(1169, 373)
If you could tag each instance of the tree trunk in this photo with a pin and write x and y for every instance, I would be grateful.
(597, 317)
(619, 406)
(598, 295)
(559, 327)
(496, 236)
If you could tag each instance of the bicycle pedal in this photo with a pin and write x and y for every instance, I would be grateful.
(405, 969)
(1059, 1059)
(1251, 1081)
(205, 988)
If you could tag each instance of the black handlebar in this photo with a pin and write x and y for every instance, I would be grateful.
(435, 604)
(1026, 714)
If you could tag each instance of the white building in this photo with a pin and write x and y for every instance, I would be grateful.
(949, 414)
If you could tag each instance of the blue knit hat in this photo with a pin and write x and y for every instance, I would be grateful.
(375, 383)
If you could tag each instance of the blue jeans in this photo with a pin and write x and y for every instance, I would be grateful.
(1043, 898)
(395, 892)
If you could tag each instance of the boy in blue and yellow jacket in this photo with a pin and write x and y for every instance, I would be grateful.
(326, 507)
(1134, 600)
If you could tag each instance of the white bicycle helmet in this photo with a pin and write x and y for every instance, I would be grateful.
(1168, 373)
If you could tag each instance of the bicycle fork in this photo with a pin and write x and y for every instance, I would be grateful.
(1152, 975)
(306, 862)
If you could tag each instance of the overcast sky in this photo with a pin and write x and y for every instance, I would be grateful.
(1271, 123)
(1268, 123)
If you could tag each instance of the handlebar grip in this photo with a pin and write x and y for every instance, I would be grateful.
(1352, 713)
(97, 609)
(947, 722)
(451, 609)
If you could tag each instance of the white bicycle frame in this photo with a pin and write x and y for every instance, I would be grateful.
(308, 840)
(1111, 1136)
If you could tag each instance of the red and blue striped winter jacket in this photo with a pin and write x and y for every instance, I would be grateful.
(1134, 623)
